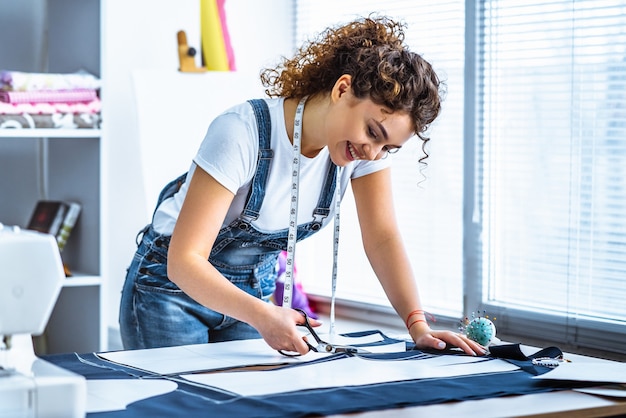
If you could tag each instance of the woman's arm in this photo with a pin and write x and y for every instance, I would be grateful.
(386, 253)
(199, 222)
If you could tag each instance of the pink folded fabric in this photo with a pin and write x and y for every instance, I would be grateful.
(49, 96)
(92, 106)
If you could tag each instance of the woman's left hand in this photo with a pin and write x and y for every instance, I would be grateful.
(425, 337)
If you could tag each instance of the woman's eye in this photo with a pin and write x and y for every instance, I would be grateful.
(372, 133)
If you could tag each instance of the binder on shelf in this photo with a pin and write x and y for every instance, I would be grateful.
(48, 216)
(56, 218)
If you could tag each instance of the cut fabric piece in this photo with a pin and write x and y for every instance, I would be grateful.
(351, 371)
(227, 355)
(195, 400)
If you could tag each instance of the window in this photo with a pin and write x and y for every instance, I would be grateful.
(429, 211)
(551, 156)
(523, 213)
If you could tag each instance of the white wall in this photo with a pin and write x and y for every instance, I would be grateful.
(139, 37)
(23, 22)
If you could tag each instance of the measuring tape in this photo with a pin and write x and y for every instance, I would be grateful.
(293, 221)
(335, 257)
(293, 211)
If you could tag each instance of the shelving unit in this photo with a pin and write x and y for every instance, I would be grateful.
(59, 164)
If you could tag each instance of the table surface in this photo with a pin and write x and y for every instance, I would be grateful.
(570, 403)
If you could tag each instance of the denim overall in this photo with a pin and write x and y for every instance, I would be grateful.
(154, 312)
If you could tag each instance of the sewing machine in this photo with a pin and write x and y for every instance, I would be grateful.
(31, 277)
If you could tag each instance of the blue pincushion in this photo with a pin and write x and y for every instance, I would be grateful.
(480, 329)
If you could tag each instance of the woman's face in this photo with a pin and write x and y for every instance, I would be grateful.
(359, 129)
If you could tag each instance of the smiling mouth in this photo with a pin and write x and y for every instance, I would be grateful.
(353, 152)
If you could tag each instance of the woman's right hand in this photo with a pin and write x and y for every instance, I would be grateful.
(278, 329)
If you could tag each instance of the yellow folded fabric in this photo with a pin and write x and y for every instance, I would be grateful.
(213, 46)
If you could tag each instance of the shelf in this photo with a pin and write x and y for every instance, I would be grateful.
(50, 133)
(65, 163)
(82, 280)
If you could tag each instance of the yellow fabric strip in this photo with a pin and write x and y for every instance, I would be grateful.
(213, 47)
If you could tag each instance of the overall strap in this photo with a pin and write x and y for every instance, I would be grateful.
(259, 181)
(169, 190)
(326, 197)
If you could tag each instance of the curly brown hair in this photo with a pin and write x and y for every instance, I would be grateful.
(372, 51)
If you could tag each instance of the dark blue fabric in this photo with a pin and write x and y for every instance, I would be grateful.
(193, 401)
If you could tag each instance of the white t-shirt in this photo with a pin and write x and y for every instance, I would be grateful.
(229, 154)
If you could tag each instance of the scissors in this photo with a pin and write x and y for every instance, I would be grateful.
(321, 346)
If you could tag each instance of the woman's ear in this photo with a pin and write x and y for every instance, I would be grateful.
(342, 86)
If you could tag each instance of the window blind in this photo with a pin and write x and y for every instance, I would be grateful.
(428, 202)
(551, 158)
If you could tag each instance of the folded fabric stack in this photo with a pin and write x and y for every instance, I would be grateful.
(45, 100)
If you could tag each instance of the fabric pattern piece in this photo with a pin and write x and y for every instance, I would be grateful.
(196, 401)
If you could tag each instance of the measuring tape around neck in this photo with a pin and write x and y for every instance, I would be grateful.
(293, 211)
(293, 221)
(335, 256)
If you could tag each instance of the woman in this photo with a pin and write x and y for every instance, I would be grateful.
(205, 268)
